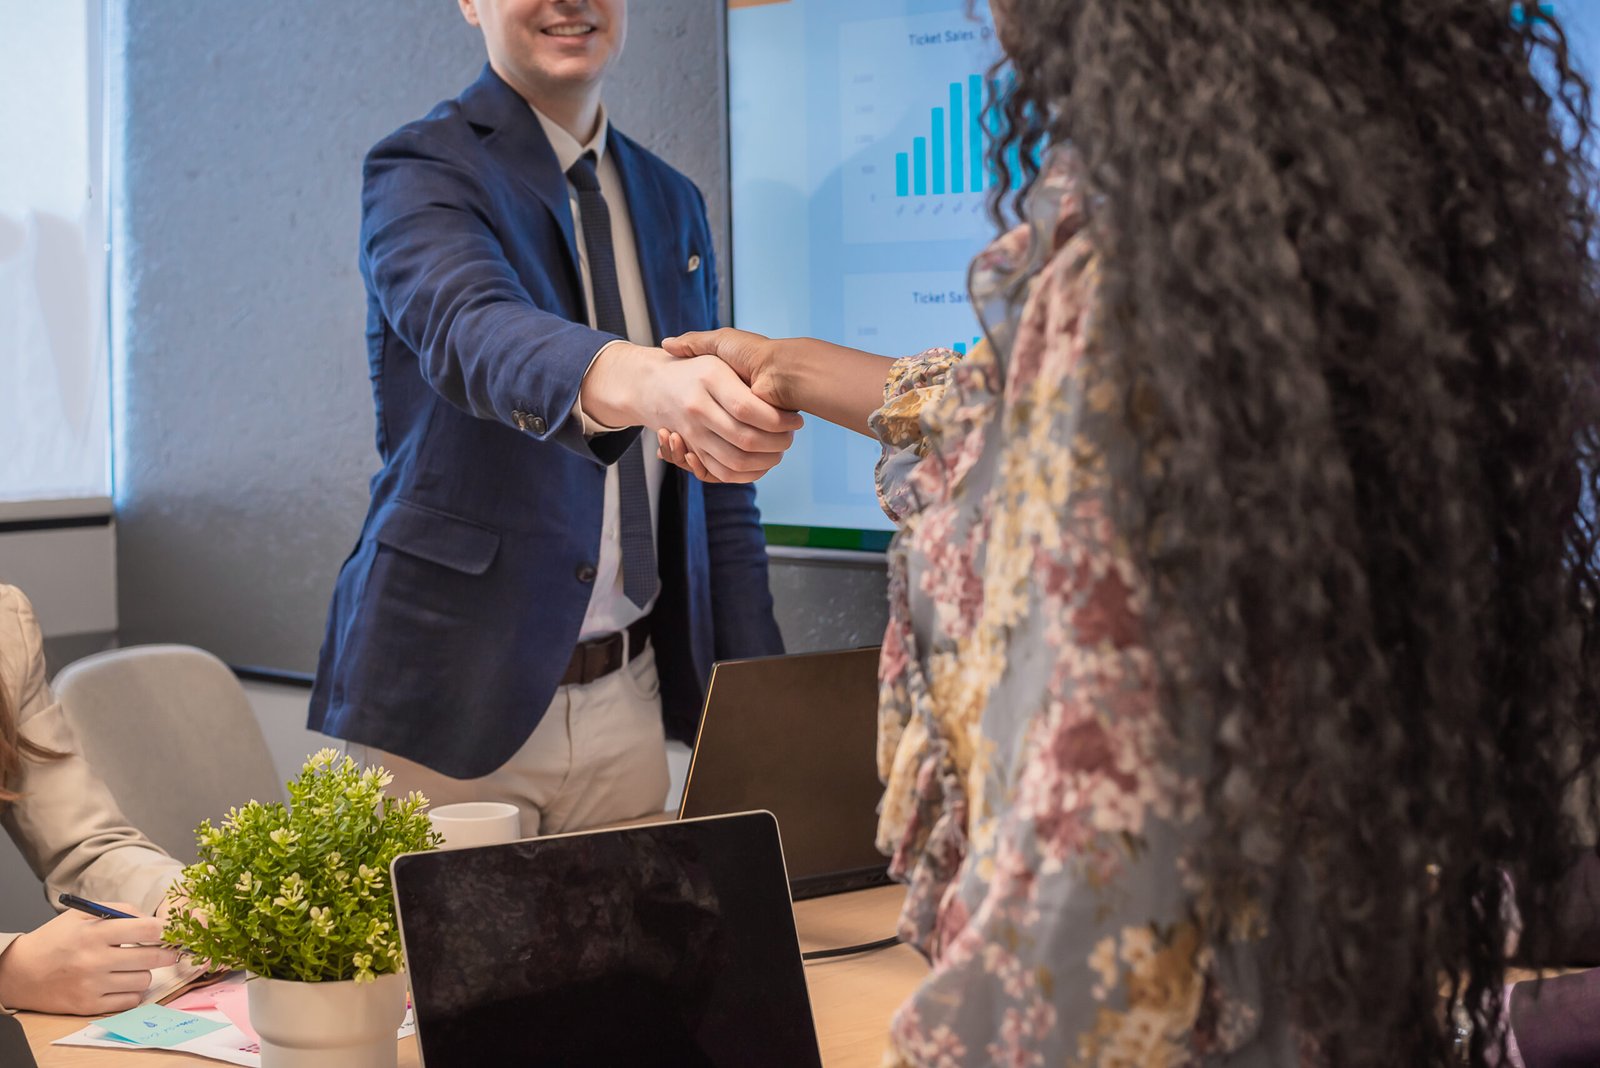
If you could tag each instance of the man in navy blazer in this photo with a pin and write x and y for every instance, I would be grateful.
(535, 599)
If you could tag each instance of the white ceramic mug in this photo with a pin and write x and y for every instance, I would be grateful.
(476, 823)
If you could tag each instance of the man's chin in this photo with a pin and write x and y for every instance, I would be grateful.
(569, 72)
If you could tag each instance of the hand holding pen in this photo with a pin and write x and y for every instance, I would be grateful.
(106, 912)
(81, 963)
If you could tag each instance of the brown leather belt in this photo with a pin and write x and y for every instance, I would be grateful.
(599, 657)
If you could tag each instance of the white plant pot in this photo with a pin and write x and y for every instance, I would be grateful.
(328, 1025)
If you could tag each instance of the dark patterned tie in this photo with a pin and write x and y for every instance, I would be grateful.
(639, 575)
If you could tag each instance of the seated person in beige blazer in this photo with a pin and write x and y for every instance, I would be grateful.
(70, 831)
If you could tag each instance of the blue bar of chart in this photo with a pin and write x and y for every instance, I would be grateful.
(975, 113)
(958, 124)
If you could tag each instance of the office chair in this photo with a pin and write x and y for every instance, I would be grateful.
(170, 730)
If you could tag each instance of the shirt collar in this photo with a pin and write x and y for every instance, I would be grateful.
(568, 150)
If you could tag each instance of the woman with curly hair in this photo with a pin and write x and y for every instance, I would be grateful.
(1242, 663)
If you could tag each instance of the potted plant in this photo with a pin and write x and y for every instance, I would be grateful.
(299, 895)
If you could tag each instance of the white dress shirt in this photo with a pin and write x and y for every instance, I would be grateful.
(609, 608)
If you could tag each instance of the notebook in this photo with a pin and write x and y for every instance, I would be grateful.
(667, 944)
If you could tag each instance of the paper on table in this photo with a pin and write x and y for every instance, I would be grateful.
(204, 997)
(228, 1044)
(234, 1003)
(228, 997)
(158, 1026)
(225, 1044)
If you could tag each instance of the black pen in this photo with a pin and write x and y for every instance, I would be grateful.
(94, 908)
(106, 912)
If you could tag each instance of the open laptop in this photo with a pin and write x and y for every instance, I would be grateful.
(797, 736)
(671, 944)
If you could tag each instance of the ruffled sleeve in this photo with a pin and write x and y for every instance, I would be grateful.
(915, 385)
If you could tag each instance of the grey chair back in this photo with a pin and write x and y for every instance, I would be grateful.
(170, 730)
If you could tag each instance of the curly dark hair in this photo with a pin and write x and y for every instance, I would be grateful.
(1348, 268)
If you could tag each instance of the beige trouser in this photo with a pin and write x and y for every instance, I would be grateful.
(598, 756)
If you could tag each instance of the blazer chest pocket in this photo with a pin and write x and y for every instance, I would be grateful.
(438, 537)
(690, 308)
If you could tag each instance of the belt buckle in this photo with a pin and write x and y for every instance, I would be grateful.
(597, 657)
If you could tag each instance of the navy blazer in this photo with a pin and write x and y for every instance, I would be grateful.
(456, 614)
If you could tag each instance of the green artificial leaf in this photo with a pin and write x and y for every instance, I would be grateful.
(302, 891)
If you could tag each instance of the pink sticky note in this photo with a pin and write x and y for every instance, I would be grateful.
(194, 1001)
(202, 998)
(234, 1002)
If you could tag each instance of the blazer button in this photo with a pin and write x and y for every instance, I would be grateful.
(536, 425)
(694, 263)
(586, 573)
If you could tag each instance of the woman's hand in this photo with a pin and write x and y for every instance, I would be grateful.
(81, 965)
(794, 374)
(754, 357)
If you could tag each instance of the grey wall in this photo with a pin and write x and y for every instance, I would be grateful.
(243, 412)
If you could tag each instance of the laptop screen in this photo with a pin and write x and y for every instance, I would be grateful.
(797, 736)
(672, 944)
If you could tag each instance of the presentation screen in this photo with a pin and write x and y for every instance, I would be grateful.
(859, 186)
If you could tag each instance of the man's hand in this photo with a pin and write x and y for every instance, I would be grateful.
(671, 449)
(736, 436)
(756, 358)
(81, 965)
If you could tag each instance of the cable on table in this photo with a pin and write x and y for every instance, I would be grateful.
(846, 951)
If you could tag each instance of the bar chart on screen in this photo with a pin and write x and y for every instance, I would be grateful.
(915, 122)
(939, 164)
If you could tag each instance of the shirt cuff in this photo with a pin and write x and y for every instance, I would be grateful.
(591, 428)
(5, 944)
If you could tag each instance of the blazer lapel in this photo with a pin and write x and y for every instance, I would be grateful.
(651, 228)
(518, 141)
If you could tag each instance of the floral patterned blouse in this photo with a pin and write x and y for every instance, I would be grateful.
(1036, 804)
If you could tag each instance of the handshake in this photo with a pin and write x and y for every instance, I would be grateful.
(718, 400)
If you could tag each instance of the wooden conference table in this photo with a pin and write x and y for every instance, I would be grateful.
(852, 998)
